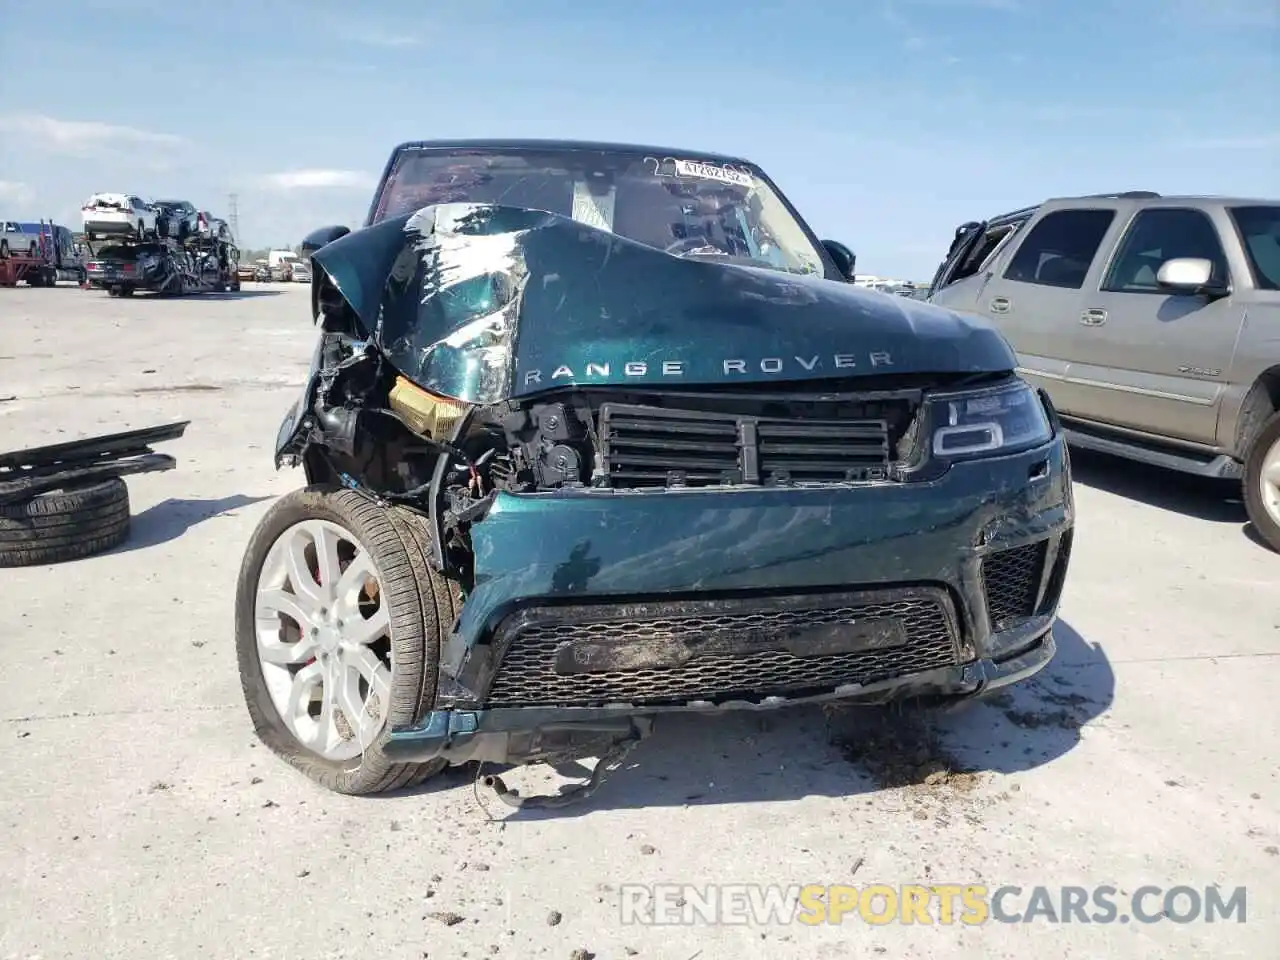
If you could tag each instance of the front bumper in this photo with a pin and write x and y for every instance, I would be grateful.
(522, 734)
(592, 608)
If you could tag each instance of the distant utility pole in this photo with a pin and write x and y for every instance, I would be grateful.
(233, 217)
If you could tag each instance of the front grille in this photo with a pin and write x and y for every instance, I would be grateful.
(644, 446)
(1011, 579)
(672, 652)
(1058, 576)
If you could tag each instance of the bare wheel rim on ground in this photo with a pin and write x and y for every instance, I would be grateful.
(323, 636)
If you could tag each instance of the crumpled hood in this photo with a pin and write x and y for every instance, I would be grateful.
(484, 302)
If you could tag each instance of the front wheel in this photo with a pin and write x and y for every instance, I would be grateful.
(1262, 482)
(338, 631)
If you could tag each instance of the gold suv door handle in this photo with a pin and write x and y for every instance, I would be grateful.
(1094, 317)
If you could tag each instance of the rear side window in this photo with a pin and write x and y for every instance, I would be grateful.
(1059, 249)
(1259, 229)
(1158, 235)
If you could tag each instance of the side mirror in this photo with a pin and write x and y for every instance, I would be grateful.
(320, 238)
(843, 257)
(1189, 275)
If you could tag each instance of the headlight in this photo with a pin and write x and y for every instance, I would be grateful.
(982, 423)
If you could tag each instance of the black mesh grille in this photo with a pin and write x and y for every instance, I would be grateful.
(1058, 577)
(663, 653)
(645, 446)
(1011, 579)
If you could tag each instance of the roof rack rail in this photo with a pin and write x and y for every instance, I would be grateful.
(1123, 195)
(1019, 214)
(1022, 213)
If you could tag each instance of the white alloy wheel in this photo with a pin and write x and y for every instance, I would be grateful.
(1262, 481)
(339, 622)
(1269, 481)
(323, 634)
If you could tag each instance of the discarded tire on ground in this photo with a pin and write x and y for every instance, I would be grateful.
(64, 524)
(338, 626)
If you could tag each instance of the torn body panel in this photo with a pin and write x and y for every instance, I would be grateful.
(484, 303)
(26, 473)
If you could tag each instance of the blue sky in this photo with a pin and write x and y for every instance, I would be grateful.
(887, 122)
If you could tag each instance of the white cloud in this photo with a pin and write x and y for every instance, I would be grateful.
(312, 179)
(1263, 141)
(363, 30)
(82, 137)
(379, 38)
(14, 192)
(1009, 6)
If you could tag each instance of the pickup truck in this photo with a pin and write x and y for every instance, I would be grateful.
(18, 239)
(1152, 322)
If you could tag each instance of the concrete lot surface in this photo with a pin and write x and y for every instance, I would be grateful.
(139, 817)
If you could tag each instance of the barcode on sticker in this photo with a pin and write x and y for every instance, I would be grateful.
(709, 171)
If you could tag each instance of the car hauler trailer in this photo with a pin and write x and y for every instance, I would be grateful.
(50, 258)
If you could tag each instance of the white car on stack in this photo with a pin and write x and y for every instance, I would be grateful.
(118, 214)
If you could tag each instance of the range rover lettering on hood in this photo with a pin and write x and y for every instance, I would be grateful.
(782, 366)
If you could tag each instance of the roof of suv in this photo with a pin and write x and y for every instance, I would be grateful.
(1138, 196)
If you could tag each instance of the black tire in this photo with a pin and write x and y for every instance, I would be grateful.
(65, 524)
(1261, 518)
(126, 290)
(396, 549)
(4, 249)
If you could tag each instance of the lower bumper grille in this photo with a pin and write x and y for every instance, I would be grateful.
(672, 652)
(1011, 579)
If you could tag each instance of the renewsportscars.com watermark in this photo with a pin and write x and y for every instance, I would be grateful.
(678, 904)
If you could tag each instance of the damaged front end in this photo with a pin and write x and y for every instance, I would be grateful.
(674, 484)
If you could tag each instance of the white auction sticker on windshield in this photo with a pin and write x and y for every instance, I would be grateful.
(709, 171)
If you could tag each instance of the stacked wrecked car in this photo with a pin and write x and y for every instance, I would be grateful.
(166, 246)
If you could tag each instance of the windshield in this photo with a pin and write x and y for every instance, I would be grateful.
(684, 206)
(117, 253)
